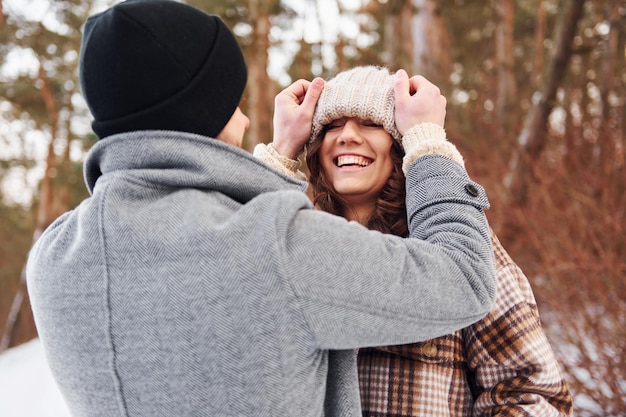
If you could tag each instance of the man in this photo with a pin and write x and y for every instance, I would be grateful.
(196, 280)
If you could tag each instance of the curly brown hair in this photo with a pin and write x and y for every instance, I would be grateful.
(389, 215)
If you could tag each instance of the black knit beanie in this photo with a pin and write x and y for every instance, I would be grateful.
(160, 64)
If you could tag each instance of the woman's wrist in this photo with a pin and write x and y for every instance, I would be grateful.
(427, 139)
(281, 163)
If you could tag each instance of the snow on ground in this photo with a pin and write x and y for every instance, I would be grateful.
(26, 385)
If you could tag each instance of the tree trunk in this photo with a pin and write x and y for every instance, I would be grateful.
(608, 131)
(45, 215)
(260, 92)
(505, 63)
(3, 16)
(398, 45)
(620, 111)
(20, 325)
(540, 36)
(431, 44)
(531, 140)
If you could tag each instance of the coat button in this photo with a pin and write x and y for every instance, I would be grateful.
(472, 190)
(429, 349)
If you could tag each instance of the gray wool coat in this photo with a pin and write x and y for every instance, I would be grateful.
(197, 281)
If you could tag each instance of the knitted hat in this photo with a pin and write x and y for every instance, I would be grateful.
(365, 92)
(160, 64)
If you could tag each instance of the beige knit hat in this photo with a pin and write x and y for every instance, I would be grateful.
(365, 92)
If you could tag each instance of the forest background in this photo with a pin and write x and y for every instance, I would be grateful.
(535, 92)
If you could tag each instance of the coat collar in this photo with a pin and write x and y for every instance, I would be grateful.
(184, 160)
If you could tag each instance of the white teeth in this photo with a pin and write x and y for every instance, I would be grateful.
(352, 160)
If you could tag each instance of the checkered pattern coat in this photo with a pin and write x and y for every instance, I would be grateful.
(502, 365)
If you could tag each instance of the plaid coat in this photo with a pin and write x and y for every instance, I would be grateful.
(502, 365)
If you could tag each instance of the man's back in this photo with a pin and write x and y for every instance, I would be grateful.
(164, 302)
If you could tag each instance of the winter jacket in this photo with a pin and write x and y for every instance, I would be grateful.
(197, 281)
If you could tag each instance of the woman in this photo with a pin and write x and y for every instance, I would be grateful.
(501, 365)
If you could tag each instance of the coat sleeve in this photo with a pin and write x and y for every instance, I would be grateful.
(514, 368)
(357, 287)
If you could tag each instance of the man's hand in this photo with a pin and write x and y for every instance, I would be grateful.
(293, 116)
(417, 100)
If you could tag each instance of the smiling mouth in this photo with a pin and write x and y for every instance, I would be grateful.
(352, 161)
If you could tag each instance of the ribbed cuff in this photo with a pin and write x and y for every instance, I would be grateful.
(282, 164)
(425, 139)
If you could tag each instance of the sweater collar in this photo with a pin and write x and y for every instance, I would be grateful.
(184, 160)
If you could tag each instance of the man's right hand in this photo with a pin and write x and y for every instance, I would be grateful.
(417, 100)
(293, 116)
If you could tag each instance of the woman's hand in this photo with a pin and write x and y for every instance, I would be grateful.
(293, 116)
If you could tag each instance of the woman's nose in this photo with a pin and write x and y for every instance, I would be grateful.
(350, 132)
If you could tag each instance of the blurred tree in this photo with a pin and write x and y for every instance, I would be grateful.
(397, 34)
(540, 37)
(412, 36)
(430, 43)
(16, 225)
(44, 100)
(532, 139)
(260, 91)
(505, 63)
(582, 182)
